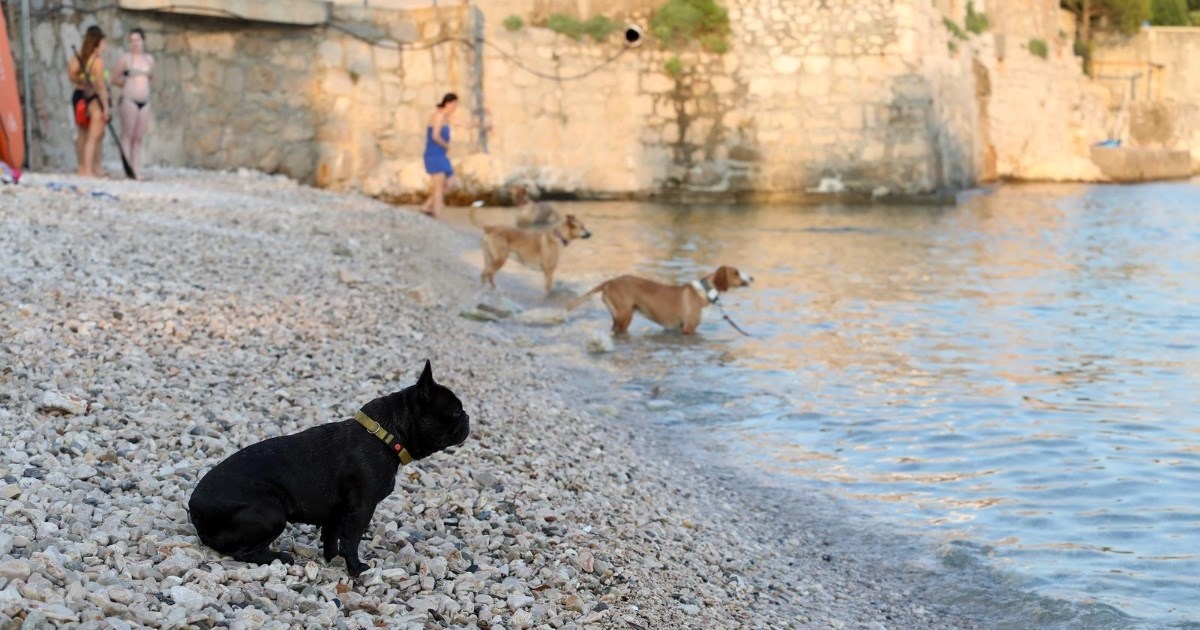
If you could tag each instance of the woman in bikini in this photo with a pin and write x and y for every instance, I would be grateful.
(437, 163)
(90, 101)
(134, 72)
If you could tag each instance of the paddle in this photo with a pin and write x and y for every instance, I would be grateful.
(124, 162)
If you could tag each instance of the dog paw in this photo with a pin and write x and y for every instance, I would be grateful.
(285, 558)
(355, 567)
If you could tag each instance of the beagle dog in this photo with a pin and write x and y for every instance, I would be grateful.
(538, 249)
(672, 307)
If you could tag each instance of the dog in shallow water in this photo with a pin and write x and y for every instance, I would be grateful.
(672, 307)
(532, 213)
(537, 249)
(331, 475)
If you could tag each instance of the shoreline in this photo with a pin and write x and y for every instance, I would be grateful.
(250, 307)
(499, 197)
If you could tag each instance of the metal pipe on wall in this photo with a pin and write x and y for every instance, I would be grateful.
(477, 82)
(26, 62)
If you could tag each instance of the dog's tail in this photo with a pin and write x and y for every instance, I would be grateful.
(475, 219)
(573, 304)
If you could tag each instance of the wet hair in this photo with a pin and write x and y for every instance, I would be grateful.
(138, 31)
(450, 97)
(91, 41)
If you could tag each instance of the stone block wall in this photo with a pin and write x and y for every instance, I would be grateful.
(829, 94)
(1164, 110)
(809, 90)
(320, 104)
(877, 94)
(1044, 114)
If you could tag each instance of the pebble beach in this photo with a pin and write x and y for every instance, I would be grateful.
(150, 329)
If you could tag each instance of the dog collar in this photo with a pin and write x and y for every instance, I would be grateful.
(387, 438)
(706, 289)
(562, 238)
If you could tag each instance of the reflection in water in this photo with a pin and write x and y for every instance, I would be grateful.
(1020, 370)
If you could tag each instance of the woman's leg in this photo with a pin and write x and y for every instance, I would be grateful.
(129, 115)
(439, 186)
(139, 134)
(95, 134)
(81, 134)
(427, 207)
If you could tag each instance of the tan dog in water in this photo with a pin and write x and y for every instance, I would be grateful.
(532, 213)
(537, 249)
(669, 306)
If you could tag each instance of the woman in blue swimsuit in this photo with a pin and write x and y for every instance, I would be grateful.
(437, 163)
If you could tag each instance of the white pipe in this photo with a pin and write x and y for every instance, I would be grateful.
(26, 62)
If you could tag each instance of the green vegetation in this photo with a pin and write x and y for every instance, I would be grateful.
(976, 22)
(597, 27)
(674, 67)
(954, 28)
(1169, 13)
(1125, 16)
(1128, 15)
(680, 22)
(565, 25)
(1195, 18)
(600, 27)
(514, 23)
(1083, 50)
(1039, 48)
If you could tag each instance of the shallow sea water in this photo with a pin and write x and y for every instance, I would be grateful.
(1018, 374)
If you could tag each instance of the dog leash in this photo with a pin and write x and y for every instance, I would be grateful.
(730, 320)
(712, 295)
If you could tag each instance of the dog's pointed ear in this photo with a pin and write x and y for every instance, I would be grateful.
(721, 278)
(425, 383)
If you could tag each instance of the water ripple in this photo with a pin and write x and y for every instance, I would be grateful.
(1018, 373)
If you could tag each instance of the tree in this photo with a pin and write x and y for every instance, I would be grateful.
(1169, 13)
(1125, 16)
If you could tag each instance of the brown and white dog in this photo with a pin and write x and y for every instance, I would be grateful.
(672, 307)
(538, 249)
(532, 213)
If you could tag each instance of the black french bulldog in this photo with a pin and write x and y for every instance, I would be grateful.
(331, 475)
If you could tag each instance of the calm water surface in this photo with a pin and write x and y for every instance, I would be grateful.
(1020, 372)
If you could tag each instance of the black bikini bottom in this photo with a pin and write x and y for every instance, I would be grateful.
(77, 96)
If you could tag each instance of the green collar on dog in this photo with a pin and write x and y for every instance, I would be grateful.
(378, 431)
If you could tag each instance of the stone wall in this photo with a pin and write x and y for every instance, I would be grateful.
(318, 104)
(1043, 114)
(809, 90)
(1164, 103)
(875, 96)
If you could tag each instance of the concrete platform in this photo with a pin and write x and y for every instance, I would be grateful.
(1128, 164)
(299, 12)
